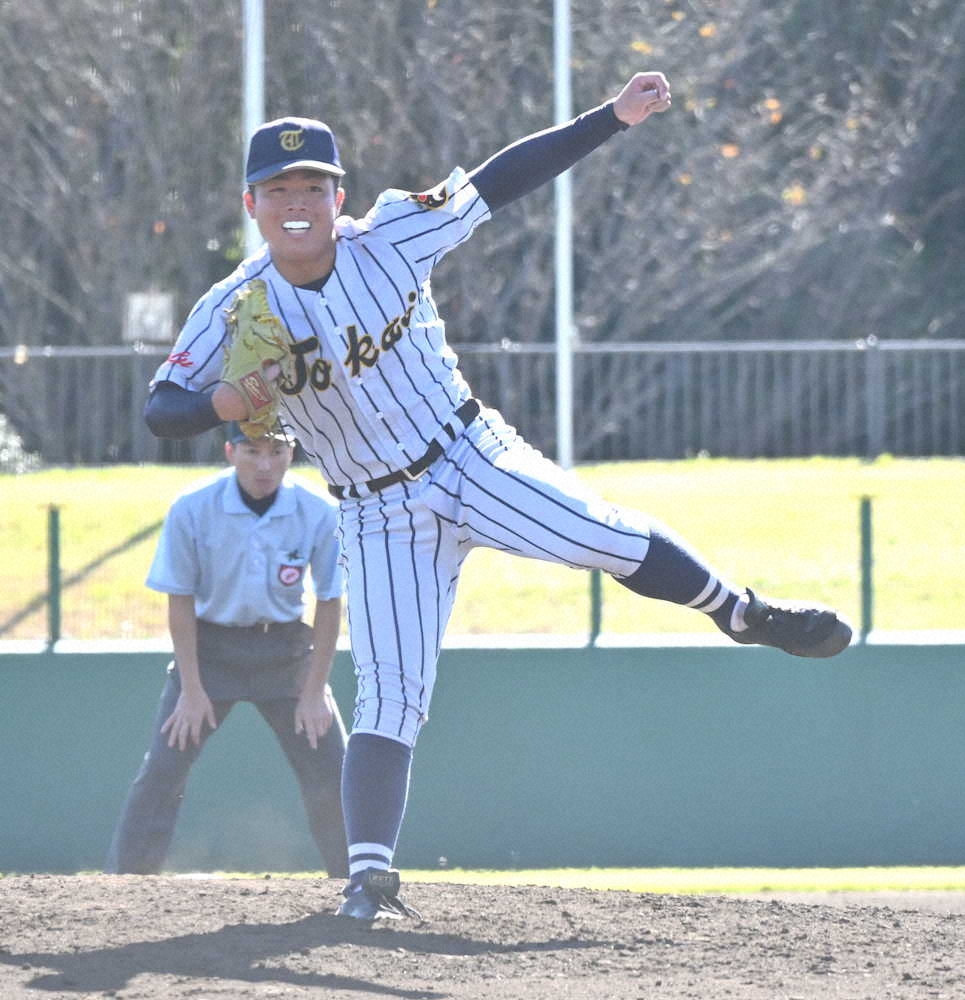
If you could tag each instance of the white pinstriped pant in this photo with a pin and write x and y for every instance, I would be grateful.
(404, 547)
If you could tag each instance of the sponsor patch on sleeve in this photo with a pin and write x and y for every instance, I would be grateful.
(434, 198)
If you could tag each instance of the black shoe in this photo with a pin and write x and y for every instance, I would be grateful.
(795, 628)
(374, 895)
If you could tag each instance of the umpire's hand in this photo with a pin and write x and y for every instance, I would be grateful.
(185, 723)
(314, 713)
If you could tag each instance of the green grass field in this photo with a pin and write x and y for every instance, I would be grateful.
(717, 880)
(689, 880)
(787, 527)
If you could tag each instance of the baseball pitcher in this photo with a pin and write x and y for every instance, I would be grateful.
(423, 471)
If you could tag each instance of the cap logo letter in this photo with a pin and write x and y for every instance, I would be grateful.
(292, 139)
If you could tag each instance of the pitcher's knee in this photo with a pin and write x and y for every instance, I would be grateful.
(396, 720)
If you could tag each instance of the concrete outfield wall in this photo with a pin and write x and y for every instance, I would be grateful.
(637, 757)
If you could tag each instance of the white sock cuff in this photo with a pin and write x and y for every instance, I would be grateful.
(737, 623)
(703, 595)
(362, 856)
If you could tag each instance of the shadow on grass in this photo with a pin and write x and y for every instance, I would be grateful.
(35, 604)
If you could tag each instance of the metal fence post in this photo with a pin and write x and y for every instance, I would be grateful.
(874, 396)
(596, 604)
(53, 575)
(867, 570)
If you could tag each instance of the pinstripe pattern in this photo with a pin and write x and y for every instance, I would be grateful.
(378, 378)
(405, 546)
(376, 384)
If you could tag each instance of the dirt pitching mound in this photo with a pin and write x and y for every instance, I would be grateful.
(78, 937)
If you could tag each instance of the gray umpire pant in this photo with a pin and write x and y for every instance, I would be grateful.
(146, 825)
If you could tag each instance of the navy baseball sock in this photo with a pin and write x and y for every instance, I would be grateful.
(375, 786)
(671, 571)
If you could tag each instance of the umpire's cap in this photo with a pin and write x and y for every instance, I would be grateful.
(292, 144)
(234, 434)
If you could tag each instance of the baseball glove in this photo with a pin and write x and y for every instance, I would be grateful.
(254, 337)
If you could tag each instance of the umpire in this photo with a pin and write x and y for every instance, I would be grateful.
(232, 559)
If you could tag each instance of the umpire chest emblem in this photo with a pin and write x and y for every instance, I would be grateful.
(289, 575)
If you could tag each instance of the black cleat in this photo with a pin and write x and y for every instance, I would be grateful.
(795, 628)
(374, 895)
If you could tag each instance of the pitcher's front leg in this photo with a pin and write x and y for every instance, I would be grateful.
(402, 564)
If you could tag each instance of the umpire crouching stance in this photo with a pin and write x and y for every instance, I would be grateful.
(232, 558)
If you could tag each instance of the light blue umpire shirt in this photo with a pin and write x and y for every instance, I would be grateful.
(244, 569)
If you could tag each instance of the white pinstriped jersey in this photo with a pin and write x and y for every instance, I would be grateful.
(375, 377)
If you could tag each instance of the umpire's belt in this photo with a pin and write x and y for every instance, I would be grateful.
(263, 627)
(452, 428)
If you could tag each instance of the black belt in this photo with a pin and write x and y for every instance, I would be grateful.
(466, 414)
(259, 627)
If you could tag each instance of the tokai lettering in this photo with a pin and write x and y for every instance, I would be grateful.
(318, 373)
(392, 334)
(362, 349)
(363, 352)
(321, 374)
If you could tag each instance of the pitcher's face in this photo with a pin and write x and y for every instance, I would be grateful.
(295, 213)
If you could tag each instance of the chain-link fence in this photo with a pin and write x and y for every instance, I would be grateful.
(656, 401)
(631, 401)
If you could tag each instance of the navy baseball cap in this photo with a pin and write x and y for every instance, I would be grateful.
(234, 434)
(292, 144)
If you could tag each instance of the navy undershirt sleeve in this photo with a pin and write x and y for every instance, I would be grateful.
(528, 163)
(174, 412)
